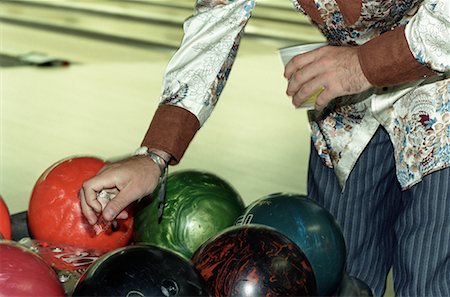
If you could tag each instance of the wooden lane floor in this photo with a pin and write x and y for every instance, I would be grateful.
(148, 22)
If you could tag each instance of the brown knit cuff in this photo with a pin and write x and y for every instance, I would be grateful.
(171, 130)
(387, 60)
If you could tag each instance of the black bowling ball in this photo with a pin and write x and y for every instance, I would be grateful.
(353, 287)
(141, 270)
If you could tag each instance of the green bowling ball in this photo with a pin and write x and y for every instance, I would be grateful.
(198, 205)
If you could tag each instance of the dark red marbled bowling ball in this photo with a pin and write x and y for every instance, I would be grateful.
(254, 260)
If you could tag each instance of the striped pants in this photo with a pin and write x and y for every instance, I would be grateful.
(384, 227)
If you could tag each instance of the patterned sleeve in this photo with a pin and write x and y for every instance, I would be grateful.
(198, 71)
(428, 34)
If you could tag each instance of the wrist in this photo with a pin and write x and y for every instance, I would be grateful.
(160, 158)
(165, 156)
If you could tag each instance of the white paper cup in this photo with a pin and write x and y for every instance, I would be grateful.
(288, 53)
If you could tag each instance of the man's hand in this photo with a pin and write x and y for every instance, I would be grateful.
(336, 69)
(129, 180)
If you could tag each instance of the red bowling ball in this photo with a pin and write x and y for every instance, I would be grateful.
(54, 212)
(24, 273)
(5, 220)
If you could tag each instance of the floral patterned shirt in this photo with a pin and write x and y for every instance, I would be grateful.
(416, 114)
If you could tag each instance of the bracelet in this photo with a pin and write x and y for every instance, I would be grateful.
(162, 164)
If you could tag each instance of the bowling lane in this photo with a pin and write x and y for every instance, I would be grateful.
(254, 139)
(18, 40)
(69, 111)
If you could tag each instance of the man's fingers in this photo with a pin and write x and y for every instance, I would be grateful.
(90, 205)
(323, 99)
(127, 180)
(296, 63)
(96, 184)
(301, 60)
(309, 91)
(89, 197)
(303, 75)
(88, 212)
(118, 204)
(105, 167)
(123, 215)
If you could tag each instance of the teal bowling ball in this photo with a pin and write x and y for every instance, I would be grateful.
(197, 206)
(311, 227)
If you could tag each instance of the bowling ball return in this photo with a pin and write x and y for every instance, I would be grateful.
(69, 273)
(349, 286)
(19, 226)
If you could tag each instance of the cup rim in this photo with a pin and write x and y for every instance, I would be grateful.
(302, 48)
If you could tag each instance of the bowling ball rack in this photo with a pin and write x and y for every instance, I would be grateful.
(350, 286)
